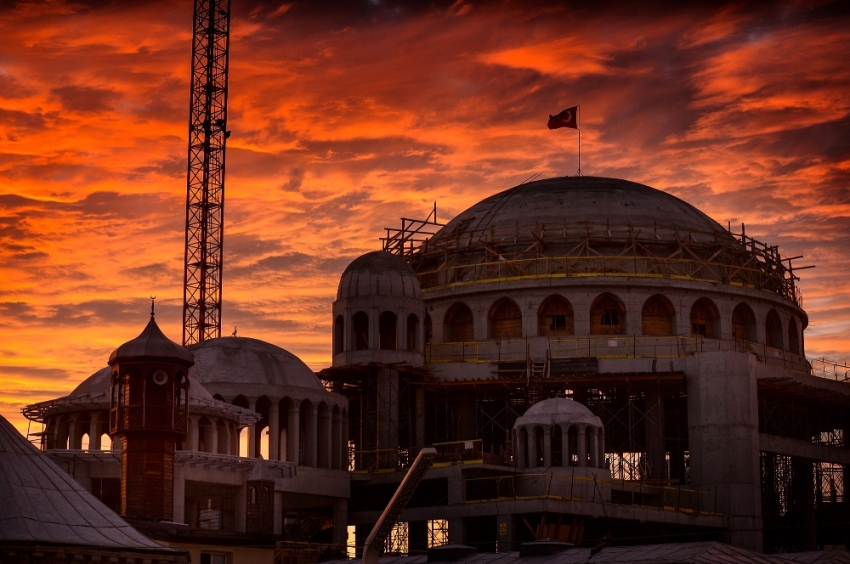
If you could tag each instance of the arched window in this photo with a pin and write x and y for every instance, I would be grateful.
(657, 316)
(705, 319)
(607, 316)
(793, 336)
(387, 331)
(458, 325)
(339, 334)
(360, 331)
(773, 330)
(412, 332)
(555, 317)
(743, 323)
(428, 327)
(505, 320)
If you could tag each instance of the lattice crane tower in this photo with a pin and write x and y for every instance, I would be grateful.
(205, 184)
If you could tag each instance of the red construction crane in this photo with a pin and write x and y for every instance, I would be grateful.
(205, 184)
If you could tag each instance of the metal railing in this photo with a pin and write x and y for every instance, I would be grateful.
(609, 266)
(569, 487)
(630, 346)
(392, 459)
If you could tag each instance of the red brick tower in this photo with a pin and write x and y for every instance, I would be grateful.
(148, 413)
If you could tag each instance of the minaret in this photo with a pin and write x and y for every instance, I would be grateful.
(148, 414)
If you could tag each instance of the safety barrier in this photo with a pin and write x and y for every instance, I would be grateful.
(569, 487)
(392, 459)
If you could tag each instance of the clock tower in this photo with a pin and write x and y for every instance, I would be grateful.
(149, 415)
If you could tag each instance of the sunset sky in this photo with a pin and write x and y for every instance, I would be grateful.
(345, 119)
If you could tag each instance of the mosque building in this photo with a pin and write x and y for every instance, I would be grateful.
(595, 362)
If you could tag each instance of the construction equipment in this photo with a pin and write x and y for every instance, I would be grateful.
(205, 180)
(375, 540)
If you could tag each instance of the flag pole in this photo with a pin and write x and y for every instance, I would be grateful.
(578, 128)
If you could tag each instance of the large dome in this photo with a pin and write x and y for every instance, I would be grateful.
(239, 361)
(378, 274)
(580, 199)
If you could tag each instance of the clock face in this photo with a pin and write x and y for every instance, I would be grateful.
(160, 377)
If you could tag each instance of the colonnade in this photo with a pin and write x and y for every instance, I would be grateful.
(580, 445)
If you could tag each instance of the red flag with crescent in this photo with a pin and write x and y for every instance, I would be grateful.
(567, 118)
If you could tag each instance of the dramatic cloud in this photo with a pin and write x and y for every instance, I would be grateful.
(345, 118)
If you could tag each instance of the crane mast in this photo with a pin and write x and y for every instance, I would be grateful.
(208, 133)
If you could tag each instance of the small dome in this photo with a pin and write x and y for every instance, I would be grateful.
(241, 360)
(151, 343)
(558, 411)
(379, 273)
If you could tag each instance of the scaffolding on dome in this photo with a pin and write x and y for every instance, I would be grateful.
(466, 255)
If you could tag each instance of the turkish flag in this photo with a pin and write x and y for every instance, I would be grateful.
(567, 118)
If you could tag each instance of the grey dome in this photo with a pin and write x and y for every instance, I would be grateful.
(558, 411)
(97, 386)
(379, 273)
(575, 200)
(241, 360)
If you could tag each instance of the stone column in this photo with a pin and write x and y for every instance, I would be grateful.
(194, 438)
(582, 445)
(274, 431)
(94, 436)
(373, 327)
(566, 455)
(520, 449)
(601, 446)
(336, 438)
(532, 448)
(228, 448)
(252, 441)
(401, 329)
(179, 495)
(73, 434)
(420, 417)
(311, 436)
(547, 446)
(293, 434)
(594, 447)
(214, 436)
(347, 330)
(323, 439)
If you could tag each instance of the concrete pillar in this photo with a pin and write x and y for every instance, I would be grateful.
(179, 495)
(214, 436)
(505, 528)
(532, 448)
(344, 442)
(387, 408)
(324, 433)
(94, 435)
(656, 462)
(336, 438)
(293, 433)
(278, 513)
(480, 328)
(241, 508)
(565, 446)
(457, 534)
(73, 434)
(310, 437)
(252, 441)
(347, 346)
(547, 446)
(194, 437)
(520, 449)
(594, 447)
(401, 329)
(274, 431)
(724, 440)
(340, 521)
(374, 314)
(228, 435)
(582, 445)
(419, 408)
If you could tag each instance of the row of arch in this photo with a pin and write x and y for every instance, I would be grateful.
(295, 430)
(559, 445)
(608, 317)
(387, 337)
(86, 431)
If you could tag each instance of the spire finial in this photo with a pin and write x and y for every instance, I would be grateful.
(153, 298)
